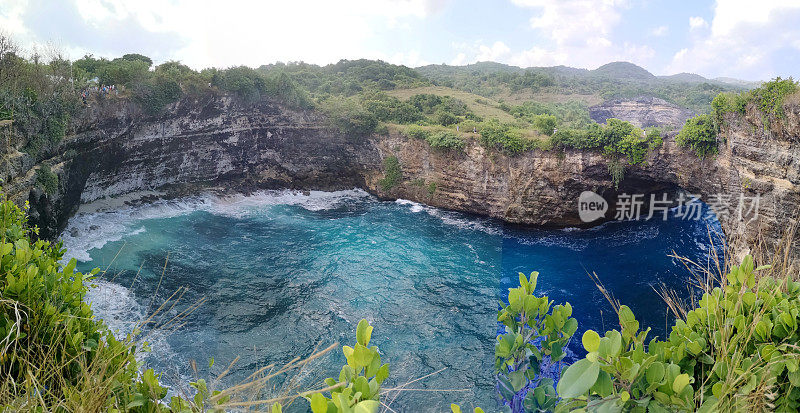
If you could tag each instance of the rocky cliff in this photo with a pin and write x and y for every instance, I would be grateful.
(228, 144)
(644, 111)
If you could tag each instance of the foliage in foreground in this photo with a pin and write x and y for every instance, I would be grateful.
(54, 353)
(531, 348)
(359, 385)
(737, 351)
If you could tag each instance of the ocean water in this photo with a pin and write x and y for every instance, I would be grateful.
(281, 273)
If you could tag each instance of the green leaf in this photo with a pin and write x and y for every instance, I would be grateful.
(655, 373)
(454, 408)
(362, 356)
(382, 373)
(570, 327)
(319, 403)
(591, 341)
(627, 320)
(680, 383)
(523, 281)
(363, 332)
(532, 281)
(518, 380)
(578, 379)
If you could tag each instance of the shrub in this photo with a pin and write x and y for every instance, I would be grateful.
(770, 95)
(416, 132)
(359, 385)
(699, 135)
(545, 124)
(445, 140)
(445, 118)
(727, 103)
(350, 117)
(502, 137)
(46, 179)
(391, 173)
(242, 80)
(735, 352)
(155, 94)
(54, 352)
(122, 71)
(528, 354)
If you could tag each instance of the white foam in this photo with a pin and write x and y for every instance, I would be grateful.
(453, 218)
(116, 306)
(92, 228)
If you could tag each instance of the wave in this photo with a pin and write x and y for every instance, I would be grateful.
(454, 218)
(92, 228)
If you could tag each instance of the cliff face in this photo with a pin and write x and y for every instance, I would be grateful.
(238, 146)
(644, 111)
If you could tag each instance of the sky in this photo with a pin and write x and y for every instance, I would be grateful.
(745, 39)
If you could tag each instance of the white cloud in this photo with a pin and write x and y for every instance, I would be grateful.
(460, 59)
(205, 33)
(496, 52)
(577, 32)
(697, 23)
(659, 31)
(747, 40)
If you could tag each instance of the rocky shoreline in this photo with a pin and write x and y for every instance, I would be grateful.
(235, 146)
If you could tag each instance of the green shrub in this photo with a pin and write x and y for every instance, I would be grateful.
(503, 137)
(532, 346)
(242, 81)
(445, 118)
(416, 132)
(770, 95)
(156, 93)
(737, 351)
(445, 140)
(46, 179)
(350, 117)
(699, 134)
(54, 352)
(359, 385)
(391, 173)
(727, 103)
(545, 124)
(122, 71)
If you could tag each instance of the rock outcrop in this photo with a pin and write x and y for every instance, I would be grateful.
(240, 146)
(644, 111)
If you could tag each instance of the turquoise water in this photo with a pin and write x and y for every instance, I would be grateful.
(284, 272)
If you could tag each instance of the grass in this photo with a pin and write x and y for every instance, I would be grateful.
(481, 106)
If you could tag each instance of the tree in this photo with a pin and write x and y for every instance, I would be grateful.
(545, 124)
(138, 57)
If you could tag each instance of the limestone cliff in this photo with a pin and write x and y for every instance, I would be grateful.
(222, 142)
(644, 111)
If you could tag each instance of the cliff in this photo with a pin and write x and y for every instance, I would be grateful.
(238, 146)
(644, 111)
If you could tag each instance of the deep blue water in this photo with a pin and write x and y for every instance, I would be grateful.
(283, 272)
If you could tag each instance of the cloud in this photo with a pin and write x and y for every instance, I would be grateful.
(746, 40)
(496, 52)
(571, 22)
(659, 31)
(206, 33)
(697, 23)
(105, 30)
(577, 33)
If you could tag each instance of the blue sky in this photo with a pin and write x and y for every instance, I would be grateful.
(736, 38)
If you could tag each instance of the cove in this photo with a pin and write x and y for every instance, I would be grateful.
(282, 272)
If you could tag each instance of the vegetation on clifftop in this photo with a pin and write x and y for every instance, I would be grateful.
(700, 133)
